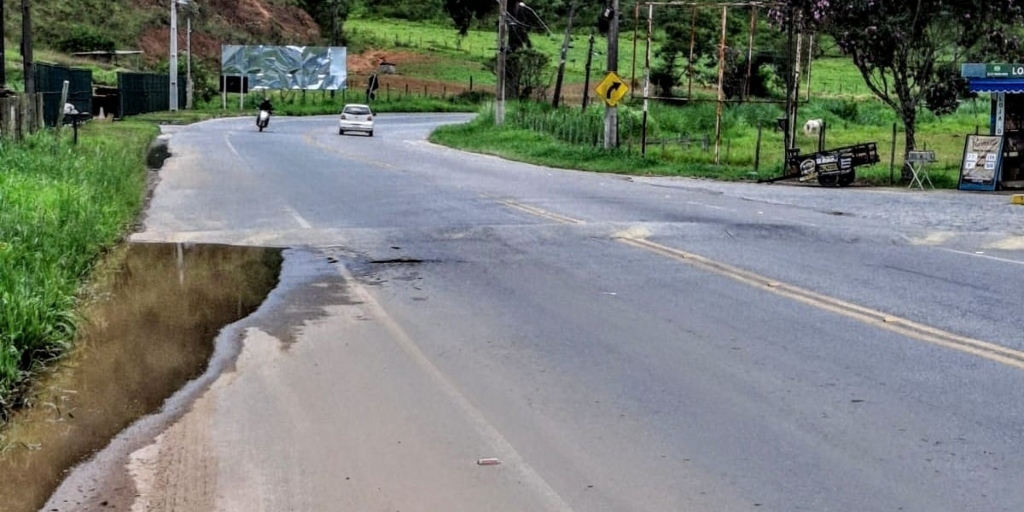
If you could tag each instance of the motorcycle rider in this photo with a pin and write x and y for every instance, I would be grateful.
(265, 105)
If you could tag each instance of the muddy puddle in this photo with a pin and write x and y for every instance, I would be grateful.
(149, 327)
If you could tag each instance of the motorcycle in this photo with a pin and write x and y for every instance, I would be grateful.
(263, 119)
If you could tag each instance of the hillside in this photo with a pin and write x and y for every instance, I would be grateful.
(144, 25)
(233, 22)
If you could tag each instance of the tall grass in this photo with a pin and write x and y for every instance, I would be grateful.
(60, 207)
(681, 139)
(532, 136)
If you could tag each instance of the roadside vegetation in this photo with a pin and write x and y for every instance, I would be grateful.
(295, 103)
(681, 139)
(61, 207)
(681, 128)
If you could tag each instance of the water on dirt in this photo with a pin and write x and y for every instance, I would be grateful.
(148, 328)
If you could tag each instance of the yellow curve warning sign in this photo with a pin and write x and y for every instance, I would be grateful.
(612, 89)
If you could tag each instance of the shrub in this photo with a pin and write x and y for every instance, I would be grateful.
(471, 97)
(84, 38)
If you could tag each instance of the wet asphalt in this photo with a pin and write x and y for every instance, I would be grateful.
(623, 343)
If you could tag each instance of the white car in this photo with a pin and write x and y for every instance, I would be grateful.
(356, 117)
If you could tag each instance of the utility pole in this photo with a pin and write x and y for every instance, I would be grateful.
(590, 59)
(26, 46)
(189, 87)
(3, 37)
(172, 98)
(787, 133)
(334, 40)
(796, 81)
(334, 25)
(611, 114)
(721, 87)
(561, 61)
(499, 104)
(647, 76)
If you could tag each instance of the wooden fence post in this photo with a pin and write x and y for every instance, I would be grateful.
(40, 121)
(63, 101)
(9, 117)
(757, 149)
(23, 118)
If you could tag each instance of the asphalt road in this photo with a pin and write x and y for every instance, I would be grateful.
(618, 344)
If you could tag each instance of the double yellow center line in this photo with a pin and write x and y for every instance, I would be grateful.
(914, 330)
(532, 210)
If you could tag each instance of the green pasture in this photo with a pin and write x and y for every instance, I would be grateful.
(451, 58)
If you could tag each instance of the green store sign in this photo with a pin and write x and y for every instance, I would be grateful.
(1004, 70)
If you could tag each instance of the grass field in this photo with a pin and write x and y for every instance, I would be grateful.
(448, 57)
(456, 59)
(61, 206)
(835, 77)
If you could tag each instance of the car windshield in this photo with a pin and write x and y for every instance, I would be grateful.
(358, 111)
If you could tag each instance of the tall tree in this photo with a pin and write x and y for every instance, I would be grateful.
(331, 16)
(524, 67)
(464, 12)
(905, 48)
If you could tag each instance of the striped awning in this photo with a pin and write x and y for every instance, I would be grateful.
(997, 85)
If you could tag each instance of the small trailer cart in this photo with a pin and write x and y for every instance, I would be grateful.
(831, 167)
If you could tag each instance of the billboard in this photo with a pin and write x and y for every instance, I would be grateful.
(317, 68)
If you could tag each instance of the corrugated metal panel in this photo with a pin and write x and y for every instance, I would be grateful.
(49, 81)
(147, 92)
(80, 94)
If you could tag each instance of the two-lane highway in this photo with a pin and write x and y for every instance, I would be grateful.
(617, 344)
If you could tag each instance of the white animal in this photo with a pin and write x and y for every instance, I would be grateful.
(813, 127)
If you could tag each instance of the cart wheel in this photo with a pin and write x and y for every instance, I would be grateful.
(828, 180)
(846, 180)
